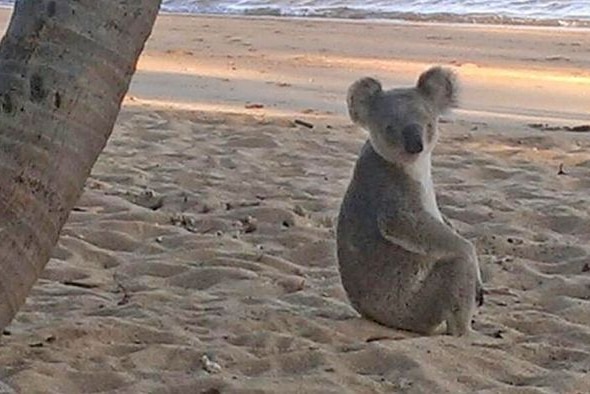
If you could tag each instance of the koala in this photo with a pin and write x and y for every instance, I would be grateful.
(400, 262)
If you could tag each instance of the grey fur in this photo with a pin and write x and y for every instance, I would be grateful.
(400, 263)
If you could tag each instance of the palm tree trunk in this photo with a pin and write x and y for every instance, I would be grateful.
(65, 66)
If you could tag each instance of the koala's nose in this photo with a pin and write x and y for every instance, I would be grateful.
(412, 137)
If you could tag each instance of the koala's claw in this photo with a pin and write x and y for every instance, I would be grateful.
(479, 294)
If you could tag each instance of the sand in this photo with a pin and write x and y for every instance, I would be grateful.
(200, 258)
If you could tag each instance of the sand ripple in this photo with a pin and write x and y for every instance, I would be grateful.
(200, 236)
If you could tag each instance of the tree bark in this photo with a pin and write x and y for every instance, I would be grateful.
(65, 66)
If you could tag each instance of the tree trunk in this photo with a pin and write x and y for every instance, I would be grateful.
(65, 66)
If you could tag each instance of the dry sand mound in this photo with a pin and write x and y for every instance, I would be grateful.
(201, 260)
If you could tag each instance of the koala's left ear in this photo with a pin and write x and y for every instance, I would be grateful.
(440, 86)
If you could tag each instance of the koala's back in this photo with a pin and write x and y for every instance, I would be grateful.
(375, 273)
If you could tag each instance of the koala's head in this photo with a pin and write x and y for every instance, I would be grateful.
(402, 123)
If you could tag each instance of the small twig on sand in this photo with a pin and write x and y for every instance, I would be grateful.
(583, 128)
(303, 123)
(579, 129)
(384, 338)
(254, 106)
(79, 284)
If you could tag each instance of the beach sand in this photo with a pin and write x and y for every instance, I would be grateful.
(201, 259)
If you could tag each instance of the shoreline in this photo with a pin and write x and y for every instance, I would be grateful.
(393, 21)
(439, 18)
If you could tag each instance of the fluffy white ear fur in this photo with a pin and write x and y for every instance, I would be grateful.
(360, 98)
(439, 86)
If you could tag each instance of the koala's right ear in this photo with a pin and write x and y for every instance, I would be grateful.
(361, 98)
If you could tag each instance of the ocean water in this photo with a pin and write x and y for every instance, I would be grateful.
(566, 11)
(559, 12)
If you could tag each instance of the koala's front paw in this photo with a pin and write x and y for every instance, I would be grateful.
(479, 293)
